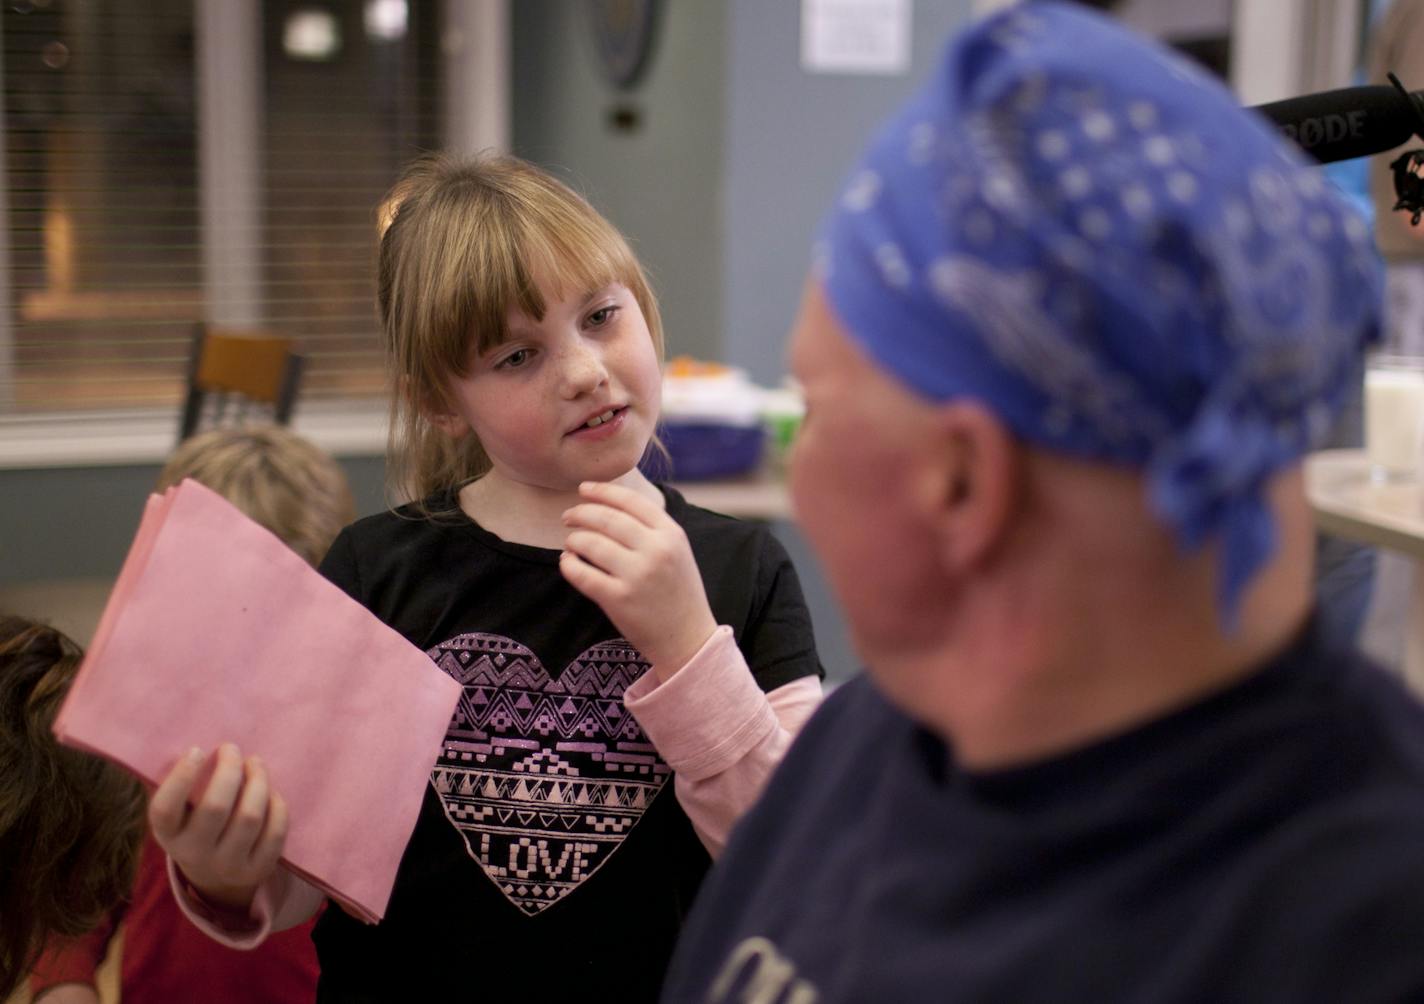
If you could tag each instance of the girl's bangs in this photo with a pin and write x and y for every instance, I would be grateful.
(572, 256)
(557, 241)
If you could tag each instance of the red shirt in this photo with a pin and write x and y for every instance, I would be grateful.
(166, 959)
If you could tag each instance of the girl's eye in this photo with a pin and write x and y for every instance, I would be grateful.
(514, 360)
(602, 316)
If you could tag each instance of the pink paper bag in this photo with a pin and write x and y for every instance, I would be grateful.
(217, 632)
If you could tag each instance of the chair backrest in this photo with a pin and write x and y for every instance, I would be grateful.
(232, 374)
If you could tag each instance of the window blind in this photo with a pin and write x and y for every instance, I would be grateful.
(120, 234)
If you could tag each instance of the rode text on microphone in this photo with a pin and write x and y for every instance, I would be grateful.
(1359, 122)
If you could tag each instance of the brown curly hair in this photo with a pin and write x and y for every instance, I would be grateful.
(70, 823)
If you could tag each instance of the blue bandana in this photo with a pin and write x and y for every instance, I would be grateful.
(1082, 231)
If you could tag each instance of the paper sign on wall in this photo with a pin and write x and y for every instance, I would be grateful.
(855, 36)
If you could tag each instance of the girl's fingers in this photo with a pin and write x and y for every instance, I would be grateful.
(210, 814)
(273, 837)
(614, 523)
(593, 582)
(248, 816)
(643, 509)
(168, 806)
(600, 551)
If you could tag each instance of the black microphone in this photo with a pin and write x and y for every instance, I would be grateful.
(1349, 122)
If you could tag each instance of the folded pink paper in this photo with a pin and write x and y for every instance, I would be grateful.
(217, 632)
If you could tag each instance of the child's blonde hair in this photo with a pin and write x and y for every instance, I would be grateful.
(279, 479)
(463, 243)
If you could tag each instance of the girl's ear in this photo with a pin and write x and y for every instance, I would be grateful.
(437, 412)
(448, 422)
(973, 486)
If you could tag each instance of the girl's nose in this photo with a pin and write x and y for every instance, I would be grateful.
(583, 371)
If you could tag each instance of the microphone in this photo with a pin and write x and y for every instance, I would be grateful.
(1349, 122)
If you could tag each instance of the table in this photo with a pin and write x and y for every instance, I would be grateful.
(760, 496)
(1348, 503)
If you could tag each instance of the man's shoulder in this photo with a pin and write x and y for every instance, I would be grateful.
(1374, 725)
(1332, 872)
(850, 737)
(857, 704)
(845, 750)
(1331, 907)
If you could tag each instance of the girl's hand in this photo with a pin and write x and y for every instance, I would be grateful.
(632, 559)
(228, 841)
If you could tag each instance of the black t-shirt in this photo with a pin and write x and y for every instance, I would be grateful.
(1265, 844)
(551, 859)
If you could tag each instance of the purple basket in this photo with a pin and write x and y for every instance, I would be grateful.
(699, 452)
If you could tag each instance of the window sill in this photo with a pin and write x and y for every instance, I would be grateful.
(147, 436)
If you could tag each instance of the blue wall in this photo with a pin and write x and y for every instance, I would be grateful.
(791, 139)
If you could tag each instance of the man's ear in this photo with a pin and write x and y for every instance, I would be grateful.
(971, 483)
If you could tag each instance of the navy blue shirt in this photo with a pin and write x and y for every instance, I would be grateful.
(1263, 844)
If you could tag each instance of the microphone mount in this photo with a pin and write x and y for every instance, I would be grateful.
(1408, 167)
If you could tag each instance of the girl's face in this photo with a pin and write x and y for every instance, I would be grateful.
(573, 397)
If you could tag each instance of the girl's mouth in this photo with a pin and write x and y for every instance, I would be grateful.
(604, 422)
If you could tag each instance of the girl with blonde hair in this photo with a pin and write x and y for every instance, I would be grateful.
(610, 637)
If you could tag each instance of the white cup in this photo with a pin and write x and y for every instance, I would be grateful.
(1394, 417)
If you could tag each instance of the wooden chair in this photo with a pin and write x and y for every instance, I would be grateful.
(233, 374)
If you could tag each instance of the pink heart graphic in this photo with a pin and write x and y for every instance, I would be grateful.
(543, 776)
